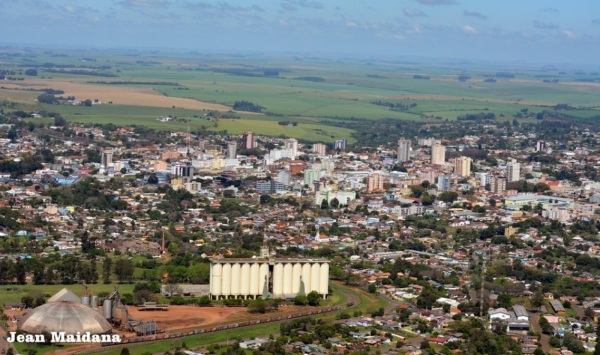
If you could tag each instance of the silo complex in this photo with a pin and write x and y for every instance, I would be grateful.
(283, 278)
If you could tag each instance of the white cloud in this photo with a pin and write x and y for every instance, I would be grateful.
(351, 24)
(545, 25)
(412, 12)
(144, 3)
(570, 34)
(437, 2)
(470, 30)
(475, 14)
(414, 30)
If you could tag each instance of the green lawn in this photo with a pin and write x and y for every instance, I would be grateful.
(14, 293)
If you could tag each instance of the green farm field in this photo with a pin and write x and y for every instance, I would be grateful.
(313, 92)
(14, 293)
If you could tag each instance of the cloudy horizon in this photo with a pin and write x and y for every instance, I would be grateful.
(538, 31)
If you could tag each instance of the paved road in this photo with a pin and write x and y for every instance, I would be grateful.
(535, 323)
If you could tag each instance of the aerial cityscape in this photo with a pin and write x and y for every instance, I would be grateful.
(303, 177)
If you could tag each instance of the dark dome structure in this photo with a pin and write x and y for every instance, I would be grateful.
(64, 316)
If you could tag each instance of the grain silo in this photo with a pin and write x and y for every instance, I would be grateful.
(296, 277)
(278, 279)
(226, 280)
(255, 280)
(246, 277)
(235, 279)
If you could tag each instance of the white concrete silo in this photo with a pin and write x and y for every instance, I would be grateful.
(306, 277)
(255, 281)
(235, 279)
(278, 280)
(226, 284)
(324, 279)
(264, 275)
(288, 273)
(216, 279)
(245, 280)
(296, 274)
(314, 277)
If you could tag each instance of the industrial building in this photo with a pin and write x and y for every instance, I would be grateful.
(250, 278)
(66, 312)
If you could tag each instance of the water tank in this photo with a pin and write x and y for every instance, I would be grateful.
(120, 313)
(278, 280)
(85, 300)
(264, 275)
(296, 274)
(255, 280)
(245, 279)
(107, 309)
(324, 279)
(235, 279)
(226, 283)
(306, 277)
(216, 279)
(314, 277)
(94, 303)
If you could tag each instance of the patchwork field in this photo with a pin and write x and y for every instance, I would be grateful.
(118, 95)
(318, 94)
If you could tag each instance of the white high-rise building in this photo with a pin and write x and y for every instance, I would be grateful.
(540, 146)
(438, 154)
(513, 171)
(443, 183)
(293, 145)
(403, 153)
(231, 150)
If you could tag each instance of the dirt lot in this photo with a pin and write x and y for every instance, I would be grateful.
(183, 317)
(119, 95)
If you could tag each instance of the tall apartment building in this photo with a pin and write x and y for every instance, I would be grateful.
(293, 145)
(403, 150)
(443, 183)
(340, 144)
(540, 146)
(231, 150)
(462, 166)
(513, 171)
(497, 184)
(248, 140)
(320, 149)
(107, 158)
(375, 183)
(438, 154)
(183, 170)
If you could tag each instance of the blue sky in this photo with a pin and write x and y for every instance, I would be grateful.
(539, 31)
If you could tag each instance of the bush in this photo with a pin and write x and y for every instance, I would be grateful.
(232, 302)
(203, 301)
(177, 300)
(300, 300)
(314, 299)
